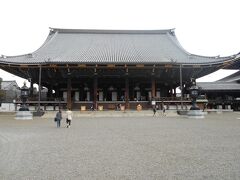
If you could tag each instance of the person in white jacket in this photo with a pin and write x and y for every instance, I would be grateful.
(69, 117)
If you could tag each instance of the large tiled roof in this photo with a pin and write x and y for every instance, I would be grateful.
(112, 46)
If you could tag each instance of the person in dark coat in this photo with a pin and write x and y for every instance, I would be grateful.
(154, 110)
(59, 118)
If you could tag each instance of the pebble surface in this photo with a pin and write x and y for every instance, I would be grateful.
(122, 148)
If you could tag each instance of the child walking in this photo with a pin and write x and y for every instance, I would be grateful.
(69, 117)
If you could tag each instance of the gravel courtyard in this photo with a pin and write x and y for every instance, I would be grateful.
(139, 148)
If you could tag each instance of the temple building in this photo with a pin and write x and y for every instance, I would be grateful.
(104, 68)
(224, 93)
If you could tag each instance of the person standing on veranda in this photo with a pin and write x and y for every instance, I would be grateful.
(69, 117)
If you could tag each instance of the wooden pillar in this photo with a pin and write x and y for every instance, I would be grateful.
(69, 91)
(172, 92)
(181, 85)
(95, 86)
(57, 93)
(31, 88)
(153, 87)
(39, 86)
(126, 92)
(49, 93)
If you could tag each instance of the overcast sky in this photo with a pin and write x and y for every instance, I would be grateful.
(203, 27)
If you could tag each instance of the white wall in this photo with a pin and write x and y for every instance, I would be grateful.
(7, 107)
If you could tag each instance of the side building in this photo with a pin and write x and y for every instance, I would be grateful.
(224, 93)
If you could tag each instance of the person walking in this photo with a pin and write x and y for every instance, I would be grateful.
(163, 111)
(69, 117)
(59, 118)
(154, 110)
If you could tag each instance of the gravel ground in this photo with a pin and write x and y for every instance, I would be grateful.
(139, 148)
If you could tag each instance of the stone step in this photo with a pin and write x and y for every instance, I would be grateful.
(51, 114)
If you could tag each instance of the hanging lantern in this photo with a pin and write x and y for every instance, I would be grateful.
(111, 88)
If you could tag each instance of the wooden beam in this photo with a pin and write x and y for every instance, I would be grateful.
(82, 65)
(126, 92)
(153, 87)
(168, 66)
(53, 65)
(23, 66)
(95, 87)
(111, 65)
(139, 65)
(196, 66)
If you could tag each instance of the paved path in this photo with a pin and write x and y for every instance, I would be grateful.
(139, 148)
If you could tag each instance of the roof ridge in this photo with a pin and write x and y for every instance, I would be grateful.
(112, 31)
(8, 81)
(21, 55)
(214, 57)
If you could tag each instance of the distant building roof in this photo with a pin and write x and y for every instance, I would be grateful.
(219, 86)
(232, 78)
(112, 46)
